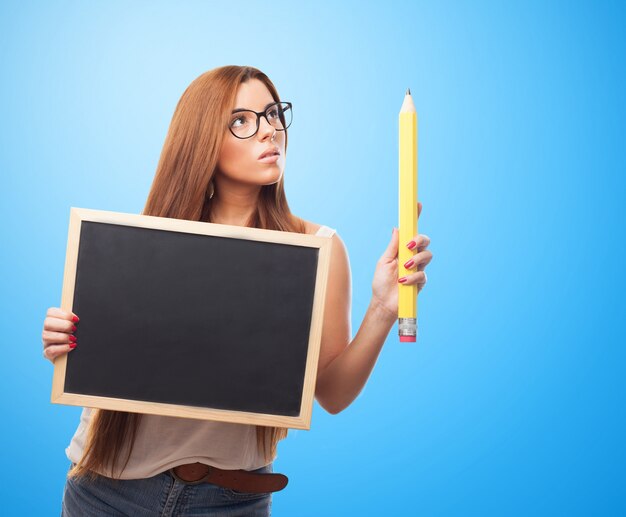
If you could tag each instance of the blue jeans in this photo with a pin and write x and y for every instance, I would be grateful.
(160, 496)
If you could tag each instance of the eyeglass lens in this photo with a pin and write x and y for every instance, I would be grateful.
(244, 123)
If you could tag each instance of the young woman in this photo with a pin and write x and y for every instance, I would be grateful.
(223, 162)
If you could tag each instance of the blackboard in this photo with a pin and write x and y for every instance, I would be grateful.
(192, 319)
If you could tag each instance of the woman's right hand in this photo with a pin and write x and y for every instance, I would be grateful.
(57, 335)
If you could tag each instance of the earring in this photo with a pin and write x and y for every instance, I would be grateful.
(211, 189)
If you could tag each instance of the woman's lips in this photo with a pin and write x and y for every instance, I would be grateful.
(273, 149)
(272, 158)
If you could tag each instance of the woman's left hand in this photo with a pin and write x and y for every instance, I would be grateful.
(385, 283)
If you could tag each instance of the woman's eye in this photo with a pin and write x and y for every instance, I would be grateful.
(273, 113)
(243, 121)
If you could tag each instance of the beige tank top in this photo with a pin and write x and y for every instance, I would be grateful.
(164, 442)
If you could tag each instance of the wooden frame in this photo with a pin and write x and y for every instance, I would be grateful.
(323, 244)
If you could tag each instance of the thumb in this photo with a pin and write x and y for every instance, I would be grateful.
(392, 249)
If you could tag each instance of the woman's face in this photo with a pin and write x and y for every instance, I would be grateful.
(239, 158)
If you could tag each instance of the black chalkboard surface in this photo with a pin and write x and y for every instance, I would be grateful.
(192, 319)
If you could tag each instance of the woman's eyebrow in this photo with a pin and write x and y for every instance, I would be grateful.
(245, 109)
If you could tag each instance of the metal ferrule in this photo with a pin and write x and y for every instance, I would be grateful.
(407, 327)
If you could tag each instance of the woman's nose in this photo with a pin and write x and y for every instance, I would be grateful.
(265, 127)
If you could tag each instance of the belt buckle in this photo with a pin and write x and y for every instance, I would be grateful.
(196, 482)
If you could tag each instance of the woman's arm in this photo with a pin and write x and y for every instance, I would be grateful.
(344, 364)
(343, 379)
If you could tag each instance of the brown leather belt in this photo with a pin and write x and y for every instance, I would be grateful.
(239, 480)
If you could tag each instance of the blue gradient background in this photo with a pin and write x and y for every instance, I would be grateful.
(512, 400)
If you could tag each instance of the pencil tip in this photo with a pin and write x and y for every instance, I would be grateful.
(408, 91)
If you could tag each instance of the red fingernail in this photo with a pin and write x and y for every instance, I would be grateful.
(402, 280)
(75, 319)
(73, 328)
(411, 245)
(72, 338)
(73, 345)
(408, 264)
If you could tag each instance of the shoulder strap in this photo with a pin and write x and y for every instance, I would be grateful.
(325, 231)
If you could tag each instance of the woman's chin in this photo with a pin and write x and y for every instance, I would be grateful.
(271, 171)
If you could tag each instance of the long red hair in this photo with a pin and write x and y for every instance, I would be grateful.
(182, 189)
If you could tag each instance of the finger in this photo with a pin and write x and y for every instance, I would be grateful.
(56, 312)
(54, 351)
(422, 241)
(59, 325)
(418, 278)
(419, 261)
(392, 249)
(420, 285)
(419, 209)
(49, 337)
(422, 259)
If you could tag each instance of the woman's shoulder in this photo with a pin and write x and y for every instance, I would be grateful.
(311, 227)
(340, 252)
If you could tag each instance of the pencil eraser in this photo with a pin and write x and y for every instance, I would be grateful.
(407, 339)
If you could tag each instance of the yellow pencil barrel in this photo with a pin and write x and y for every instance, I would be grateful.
(407, 203)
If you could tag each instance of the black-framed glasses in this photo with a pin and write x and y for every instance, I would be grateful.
(245, 123)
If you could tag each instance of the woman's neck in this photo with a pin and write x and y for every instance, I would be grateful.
(236, 215)
(234, 204)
